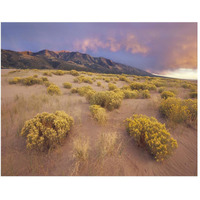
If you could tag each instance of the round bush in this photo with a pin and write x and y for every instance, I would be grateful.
(166, 94)
(54, 90)
(46, 130)
(152, 135)
(67, 85)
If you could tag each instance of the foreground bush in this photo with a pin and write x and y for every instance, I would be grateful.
(67, 85)
(152, 135)
(112, 86)
(98, 113)
(54, 90)
(166, 94)
(178, 110)
(107, 99)
(146, 94)
(46, 130)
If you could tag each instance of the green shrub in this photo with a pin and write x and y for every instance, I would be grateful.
(167, 94)
(54, 90)
(179, 111)
(107, 99)
(145, 94)
(111, 86)
(98, 113)
(46, 130)
(152, 135)
(67, 85)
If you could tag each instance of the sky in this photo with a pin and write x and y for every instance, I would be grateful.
(168, 49)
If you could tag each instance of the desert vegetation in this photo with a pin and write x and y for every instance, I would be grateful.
(57, 122)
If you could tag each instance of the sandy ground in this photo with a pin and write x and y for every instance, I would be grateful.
(19, 103)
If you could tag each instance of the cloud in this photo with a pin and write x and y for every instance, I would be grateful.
(128, 43)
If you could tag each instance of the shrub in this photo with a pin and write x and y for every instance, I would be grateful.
(193, 94)
(74, 90)
(82, 91)
(186, 85)
(108, 99)
(98, 113)
(47, 83)
(98, 83)
(15, 80)
(167, 94)
(178, 110)
(67, 85)
(74, 73)
(46, 130)
(123, 78)
(128, 94)
(152, 135)
(31, 81)
(112, 86)
(58, 72)
(47, 73)
(35, 76)
(54, 89)
(89, 95)
(161, 89)
(146, 94)
(138, 86)
(107, 80)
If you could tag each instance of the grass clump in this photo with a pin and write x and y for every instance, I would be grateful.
(178, 110)
(152, 135)
(98, 113)
(46, 130)
(167, 94)
(108, 99)
(67, 85)
(54, 90)
(109, 144)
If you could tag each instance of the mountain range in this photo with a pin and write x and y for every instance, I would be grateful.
(65, 60)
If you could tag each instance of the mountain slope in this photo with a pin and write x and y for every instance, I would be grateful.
(64, 60)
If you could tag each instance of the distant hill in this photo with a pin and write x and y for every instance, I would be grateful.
(65, 60)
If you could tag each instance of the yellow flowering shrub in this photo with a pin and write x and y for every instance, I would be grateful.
(47, 73)
(112, 86)
(58, 72)
(193, 94)
(74, 90)
(98, 113)
(74, 73)
(161, 89)
(15, 80)
(145, 94)
(167, 94)
(131, 94)
(46, 130)
(98, 83)
(152, 135)
(54, 90)
(107, 99)
(178, 110)
(67, 85)
(142, 86)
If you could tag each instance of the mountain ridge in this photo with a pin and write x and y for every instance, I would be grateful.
(65, 60)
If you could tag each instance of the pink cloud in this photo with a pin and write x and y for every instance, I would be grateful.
(129, 43)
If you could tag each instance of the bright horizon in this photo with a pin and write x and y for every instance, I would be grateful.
(168, 49)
